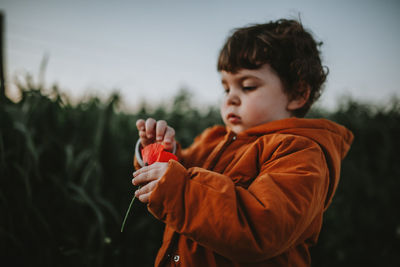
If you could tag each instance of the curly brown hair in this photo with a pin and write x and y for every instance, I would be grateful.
(288, 48)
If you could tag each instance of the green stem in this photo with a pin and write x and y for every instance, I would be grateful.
(127, 212)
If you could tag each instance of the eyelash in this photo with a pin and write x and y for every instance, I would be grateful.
(249, 88)
(245, 89)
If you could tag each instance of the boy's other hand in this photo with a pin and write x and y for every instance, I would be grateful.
(148, 178)
(151, 131)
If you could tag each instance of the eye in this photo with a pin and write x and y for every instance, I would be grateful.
(226, 91)
(248, 88)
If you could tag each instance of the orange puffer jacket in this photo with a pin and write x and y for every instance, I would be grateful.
(252, 199)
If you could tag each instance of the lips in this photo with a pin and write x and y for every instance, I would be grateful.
(233, 118)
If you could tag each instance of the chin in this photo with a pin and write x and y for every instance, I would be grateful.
(237, 130)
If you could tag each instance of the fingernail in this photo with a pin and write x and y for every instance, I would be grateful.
(136, 193)
(159, 138)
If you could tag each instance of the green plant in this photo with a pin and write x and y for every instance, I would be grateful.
(66, 170)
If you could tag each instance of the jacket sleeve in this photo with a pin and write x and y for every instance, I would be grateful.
(252, 224)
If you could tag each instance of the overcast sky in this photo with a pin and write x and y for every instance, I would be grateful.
(150, 49)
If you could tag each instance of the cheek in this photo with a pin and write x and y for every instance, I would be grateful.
(223, 106)
(222, 109)
(258, 111)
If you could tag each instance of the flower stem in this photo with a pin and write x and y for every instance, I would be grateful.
(127, 212)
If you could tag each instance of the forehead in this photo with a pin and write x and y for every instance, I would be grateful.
(238, 76)
(262, 73)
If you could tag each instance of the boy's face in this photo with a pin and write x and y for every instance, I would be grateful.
(252, 98)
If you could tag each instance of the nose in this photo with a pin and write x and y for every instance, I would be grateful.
(233, 98)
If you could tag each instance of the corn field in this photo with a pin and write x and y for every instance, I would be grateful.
(66, 169)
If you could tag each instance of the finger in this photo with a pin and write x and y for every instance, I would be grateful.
(146, 188)
(143, 194)
(144, 198)
(142, 170)
(169, 135)
(169, 138)
(160, 130)
(156, 165)
(148, 175)
(150, 128)
(140, 125)
(135, 174)
(143, 138)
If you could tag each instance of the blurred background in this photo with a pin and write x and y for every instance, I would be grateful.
(78, 74)
(151, 49)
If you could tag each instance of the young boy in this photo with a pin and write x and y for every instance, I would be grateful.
(252, 192)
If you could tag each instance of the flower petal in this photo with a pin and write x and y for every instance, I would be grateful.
(166, 156)
(151, 153)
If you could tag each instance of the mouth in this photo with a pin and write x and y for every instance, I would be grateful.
(233, 118)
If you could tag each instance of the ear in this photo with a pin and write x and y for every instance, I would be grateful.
(300, 100)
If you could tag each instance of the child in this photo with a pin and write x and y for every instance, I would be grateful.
(252, 192)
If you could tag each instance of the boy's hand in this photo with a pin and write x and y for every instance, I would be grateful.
(151, 131)
(148, 177)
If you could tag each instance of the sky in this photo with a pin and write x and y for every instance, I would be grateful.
(149, 50)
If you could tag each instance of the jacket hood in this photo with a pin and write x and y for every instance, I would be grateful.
(334, 139)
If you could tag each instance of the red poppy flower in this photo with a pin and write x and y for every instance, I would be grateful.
(156, 153)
